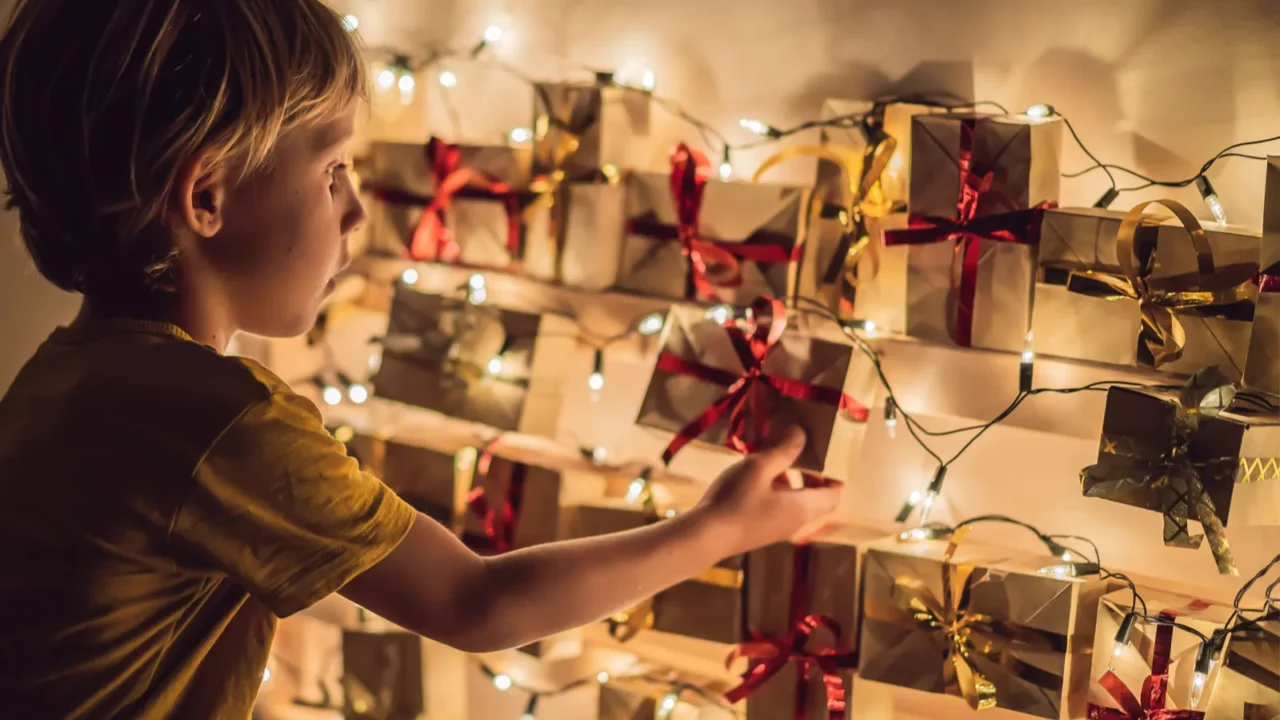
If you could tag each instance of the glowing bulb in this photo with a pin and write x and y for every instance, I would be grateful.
(595, 381)
(635, 490)
(599, 453)
(648, 80)
(386, 79)
(670, 513)
(754, 126)
(448, 79)
(375, 361)
(1026, 369)
(891, 420)
(1065, 570)
(602, 677)
(1118, 650)
(520, 135)
(651, 324)
(527, 716)
(351, 23)
(926, 506)
(477, 297)
(358, 393)
(406, 83)
(495, 365)
(492, 34)
(915, 497)
(1040, 111)
(475, 282)
(502, 682)
(1028, 352)
(266, 675)
(331, 395)
(409, 276)
(1204, 664)
(1197, 687)
(726, 171)
(1211, 199)
(719, 313)
(869, 327)
(1067, 556)
(668, 704)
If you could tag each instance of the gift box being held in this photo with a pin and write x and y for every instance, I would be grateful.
(1126, 289)
(980, 623)
(1167, 450)
(482, 363)
(1262, 367)
(978, 186)
(691, 237)
(448, 203)
(733, 386)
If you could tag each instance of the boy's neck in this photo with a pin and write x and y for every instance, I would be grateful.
(202, 327)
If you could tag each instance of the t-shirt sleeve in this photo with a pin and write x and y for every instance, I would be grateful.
(279, 506)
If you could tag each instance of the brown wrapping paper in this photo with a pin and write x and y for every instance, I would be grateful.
(881, 292)
(579, 127)
(895, 182)
(588, 250)
(382, 675)
(424, 478)
(1248, 685)
(732, 212)
(1076, 325)
(537, 513)
(673, 400)
(438, 356)
(617, 703)
(1262, 366)
(1023, 155)
(479, 225)
(1256, 499)
(832, 590)
(1029, 635)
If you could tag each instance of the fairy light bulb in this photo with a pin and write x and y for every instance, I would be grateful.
(527, 716)
(648, 80)
(1026, 368)
(891, 418)
(375, 361)
(599, 454)
(651, 324)
(530, 708)
(759, 128)
(1204, 665)
(635, 491)
(1211, 199)
(668, 704)
(719, 313)
(492, 34)
(1040, 111)
(726, 171)
(477, 291)
(358, 393)
(520, 135)
(385, 79)
(409, 276)
(495, 365)
(502, 682)
(602, 677)
(1122, 638)
(331, 395)
(1067, 556)
(926, 506)
(595, 381)
(448, 79)
(406, 83)
(350, 23)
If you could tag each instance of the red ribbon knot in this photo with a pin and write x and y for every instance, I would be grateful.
(433, 239)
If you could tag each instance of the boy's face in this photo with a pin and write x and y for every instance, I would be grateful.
(284, 231)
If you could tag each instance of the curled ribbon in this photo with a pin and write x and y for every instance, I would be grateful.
(770, 654)
(710, 264)
(498, 524)
(1155, 689)
(1162, 336)
(1174, 473)
(967, 229)
(765, 326)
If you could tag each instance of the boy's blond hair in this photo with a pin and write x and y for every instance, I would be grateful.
(101, 101)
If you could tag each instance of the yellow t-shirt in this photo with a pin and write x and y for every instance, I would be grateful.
(161, 505)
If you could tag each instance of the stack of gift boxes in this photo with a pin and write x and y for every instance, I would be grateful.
(940, 226)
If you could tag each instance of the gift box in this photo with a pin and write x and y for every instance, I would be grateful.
(574, 232)
(802, 620)
(1262, 365)
(581, 127)
(1248, 685)
(708, 606)
(482, 363)
(1256, 498)
(619, 704)
(430, 481)
(382, 676)
(981, 623)
(511, 505)
(734, 385)
(1166, 450)
(1128, 289)
(895, 122)
(452, 203)
(695, 238)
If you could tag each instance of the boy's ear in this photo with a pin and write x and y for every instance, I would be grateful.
(200, 195)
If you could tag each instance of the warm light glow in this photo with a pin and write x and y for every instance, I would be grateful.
(651, 324)
(502, 682)
(358, 393)
(1067, 556)
(726, 171)
(344, 434)
(926, 506)
(385, 79)
(520, 135)
(448, 79)
(1040, 111)
(648, 80)
(1197, 687)
(1215, 207)
(869, 327)
(595, 381)
(495, 365)
(478, 296)
(406, 83)
(754, 126)
(331, 395)
(636, 490)
(599, 454)
(476, 282)
(914, 498)
(602, 677)
(1118, 650)
(527, 716)
(668, 704)
(351, 23)
(492, 34)
(1028, 352)
(266, 674)
(375, 361)
(670, 513)
(719, 313)
(409, 276)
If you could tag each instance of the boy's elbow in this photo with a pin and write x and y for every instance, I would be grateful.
(478, 622)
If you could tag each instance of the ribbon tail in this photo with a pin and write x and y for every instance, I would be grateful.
(1213, 529)
(976, 689)
(703, 422)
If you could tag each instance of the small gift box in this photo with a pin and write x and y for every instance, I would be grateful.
(894, 121)
(482, 363)
(980, 623)
(580, 128)
(732, 386)
(694, 238)
(1167, 450)
(1126, 289)
(1262, 366)
(574, 232)
(382, 675)
(451, 203)
(1248, 685)
(802, 621)
(428, 480)
(1256, 499)
(512, 505)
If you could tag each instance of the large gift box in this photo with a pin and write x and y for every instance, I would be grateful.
(452, 203)
(691, 237)
(1128, 289)
(802, 623)
(512, 504)
(978, 186)
(1262, 366)
(980, 623)
(735, 385)
(429, 480)
(1244, 676)
(498, 367)
(1168, 450)
(382, 675)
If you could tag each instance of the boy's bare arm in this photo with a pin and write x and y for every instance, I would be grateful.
(435, 586)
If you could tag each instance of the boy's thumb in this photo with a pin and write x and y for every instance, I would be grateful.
(781, 453)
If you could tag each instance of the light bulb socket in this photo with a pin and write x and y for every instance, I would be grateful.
(890, 411)
(605, 78)
(597, 362)
(1026, 376)
(531, 706)
(1107, 198)
(939, 477)
(1126, 627)
(1204, 658)
(1204, 187)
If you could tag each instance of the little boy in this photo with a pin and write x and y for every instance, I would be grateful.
(180, 163)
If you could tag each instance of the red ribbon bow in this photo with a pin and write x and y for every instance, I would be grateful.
(1268, 282)
(966, 229)
(765, 325)
(433, 239)
(1155, 689)
(499, 524)
(769, 655)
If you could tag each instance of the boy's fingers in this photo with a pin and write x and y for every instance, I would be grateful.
(819, 501)
(781, 454)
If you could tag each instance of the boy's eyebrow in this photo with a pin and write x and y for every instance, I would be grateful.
(331, 135)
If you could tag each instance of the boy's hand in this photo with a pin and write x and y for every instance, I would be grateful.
(754, 502)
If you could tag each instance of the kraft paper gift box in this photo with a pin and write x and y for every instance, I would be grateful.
(745, 239)
(1248, 685)
(791, 379)
(895, 181)
(1262, 366)
(574, 233)
(1088, 306)
(982, 623)
(426, 479)
(498, 367)
(513, 505)
(382, 675)
(786, 584)
(580, 128)
(1256, 499)
(1164, 450)
(454, 203)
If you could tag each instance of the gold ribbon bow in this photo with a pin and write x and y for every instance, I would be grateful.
(973, 639)
(628, 623)
(1162, 337)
